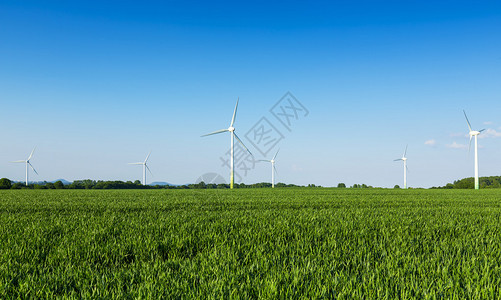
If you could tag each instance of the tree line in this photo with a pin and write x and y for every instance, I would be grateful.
(490, 182)
(116, 184)
(465, 183)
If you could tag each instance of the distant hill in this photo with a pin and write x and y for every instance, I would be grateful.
(64, 181)
(162, 183)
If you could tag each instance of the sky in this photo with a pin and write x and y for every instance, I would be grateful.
(94, 85)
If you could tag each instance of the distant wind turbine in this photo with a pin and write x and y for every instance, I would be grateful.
(145, 166)
(474, 133)
(404, 159)
(273, 170)
(231, 130)
(27, 162)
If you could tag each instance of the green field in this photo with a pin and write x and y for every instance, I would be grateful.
(250, 243)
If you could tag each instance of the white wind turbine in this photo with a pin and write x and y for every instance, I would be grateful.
(145, 166)
(404, 159)
(27, 162)
(474, 133)
(273, 169)
(231, 130)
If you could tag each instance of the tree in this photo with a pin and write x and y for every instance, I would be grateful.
(341, 185)
(59, 184)
(396, 186)
(200, 185)
(5, 184)
(18, 186)
(465, 183)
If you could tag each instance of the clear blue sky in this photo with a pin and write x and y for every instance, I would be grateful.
(97, 85)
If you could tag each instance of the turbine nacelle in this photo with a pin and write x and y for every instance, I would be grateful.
(474, 133)
(231, 129)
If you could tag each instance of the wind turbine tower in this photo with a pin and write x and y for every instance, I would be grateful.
(404, 159)
(145, 166)
(474, 133)
(27, 162)
(231, 130)
(273, 170)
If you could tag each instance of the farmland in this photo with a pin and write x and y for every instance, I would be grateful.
(250, 243)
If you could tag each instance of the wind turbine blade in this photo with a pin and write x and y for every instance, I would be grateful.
(33, 168)
(215, 132)
(148, 169)
(234, 114)
(264, 160)
(31, 153)
(18, 161)
(405, 152)
(275, 154)
(275, 169)
(467, 121)
(147, 157)
(469, 147)
(397, 159)
(238, 139)
(138, 163)
(481, 130)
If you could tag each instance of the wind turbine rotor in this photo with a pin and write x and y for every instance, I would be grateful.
(31, 155)
(231, 130)
(275, 155)
(216, 132)
(240, 141)
(234, 113)
(404, 159)
(467, 121)
(27, 162)
(148, 169)
(148, 156)
(32, 168)
(474, 133)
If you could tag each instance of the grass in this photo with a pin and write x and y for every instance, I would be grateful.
(257, 243)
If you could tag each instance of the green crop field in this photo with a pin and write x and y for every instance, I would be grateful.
(250, 243)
